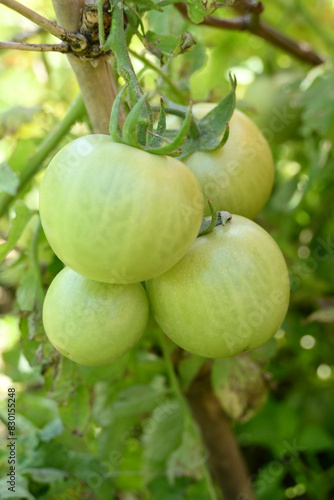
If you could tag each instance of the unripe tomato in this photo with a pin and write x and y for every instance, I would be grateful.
(93, 323)
(117, 214)
(229, 294)
(239, 176)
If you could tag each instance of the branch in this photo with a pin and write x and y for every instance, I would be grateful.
(77, 42)
(96, 81)
(252, 22)
(225, 460)
(36, 47)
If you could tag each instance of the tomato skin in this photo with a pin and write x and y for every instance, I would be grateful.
(93, 323)
(117, 214)
(230, 293)
(239, 176)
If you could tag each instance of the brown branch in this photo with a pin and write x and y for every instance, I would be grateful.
(225, 459)
(36, 47)
(77, 41)
(96, 79)
(252, 22)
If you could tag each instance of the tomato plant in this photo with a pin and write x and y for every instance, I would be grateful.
(229, 294)
(93, 323)
(117, 214)
(239, 176)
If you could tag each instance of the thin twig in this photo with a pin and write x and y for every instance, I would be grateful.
(36, 47)
(253, 23)
(78, 42)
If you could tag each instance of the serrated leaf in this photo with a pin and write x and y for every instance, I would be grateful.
(22, 217)
(205, 134)
(9, 180)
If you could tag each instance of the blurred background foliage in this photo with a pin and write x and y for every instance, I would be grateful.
(119, 431)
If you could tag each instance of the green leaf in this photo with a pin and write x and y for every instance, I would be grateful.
(21, 488)
(76, 412)
(45, 475)
(189, 457)
(161, 127)
(22, 217)
(145, 5)
(318, 100)
(9, 180)
(199, 9)
(12, 119)
(162, 434)
(239, 386)
(173, 147)
(316, 439)
(135, 400)
(134, 118)
(28, 290)
(206, 134)
(51, 430)
(162, 489)
(189, 368)
(25, 149)
(166, 46)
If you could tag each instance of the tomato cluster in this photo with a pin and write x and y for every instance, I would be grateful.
(117, 216)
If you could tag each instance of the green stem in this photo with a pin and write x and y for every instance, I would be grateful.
(184, 406)
(117, 42)
(102, 37)
(35, 261)
(75, 112)
(163, 75)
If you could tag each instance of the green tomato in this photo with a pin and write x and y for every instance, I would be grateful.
(93, 323)
(239, 176)
(117, 214)
(230, 293)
